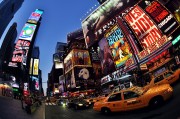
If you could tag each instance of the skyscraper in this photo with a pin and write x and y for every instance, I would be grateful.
(7, 10)
(7, 47)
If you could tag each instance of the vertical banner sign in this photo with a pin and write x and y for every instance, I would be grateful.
(147, 33)
(118, 46)
(104, 53)
(36, 67)
(165, 21)
(30, 68)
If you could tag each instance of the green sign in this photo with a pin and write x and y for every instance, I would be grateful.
(15, 90)
(176, 40)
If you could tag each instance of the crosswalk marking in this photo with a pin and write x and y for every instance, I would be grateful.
(50, 103)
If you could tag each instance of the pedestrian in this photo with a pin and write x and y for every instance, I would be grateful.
(22, 99)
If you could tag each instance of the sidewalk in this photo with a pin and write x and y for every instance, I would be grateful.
(11, 109)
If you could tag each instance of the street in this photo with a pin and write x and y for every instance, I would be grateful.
(170, 110)
(11, 109)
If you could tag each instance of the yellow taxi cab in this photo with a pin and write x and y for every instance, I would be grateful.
(134, 98)
(165, 77)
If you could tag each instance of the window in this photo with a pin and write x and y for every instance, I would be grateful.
(167, 74)
(115, 97)
(159, 78)
(130, 94)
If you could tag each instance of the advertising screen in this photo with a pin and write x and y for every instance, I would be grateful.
(165, 21)
(35, 83)
(21, 51)
(81, 57)
(83, 77)
(27, 32)
(118, 46)
(104, 53)
(96, 24)
(35, 66)
(147, 33)
(35, 16)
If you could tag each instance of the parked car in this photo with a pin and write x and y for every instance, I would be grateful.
(134, 98)
(78, 103)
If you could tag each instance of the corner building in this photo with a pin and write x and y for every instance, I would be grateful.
(134, 38)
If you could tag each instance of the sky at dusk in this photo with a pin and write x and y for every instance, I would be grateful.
(60, 17)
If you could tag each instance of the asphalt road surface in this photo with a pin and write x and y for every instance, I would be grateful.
(170, 110)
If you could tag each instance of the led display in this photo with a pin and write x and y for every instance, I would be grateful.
(21, 51)
(27, 32)
(35, 16)
(35, 83)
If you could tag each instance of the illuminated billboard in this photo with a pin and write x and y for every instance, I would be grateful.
(164, 20)
(35, 16)
(96, 24)
(31, 64)
(36, 67)
(118, 45)
(35, 83)
(27, 32)
(147, 33)
(83, 77)
(104, 53)
(21, 51)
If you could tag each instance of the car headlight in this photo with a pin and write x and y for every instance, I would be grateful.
(80, 104)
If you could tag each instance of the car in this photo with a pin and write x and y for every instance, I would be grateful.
(62, 102)
(94, 99)
(78, 103)
(134, 98)
(165, 77)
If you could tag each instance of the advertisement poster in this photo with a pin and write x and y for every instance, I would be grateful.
(35, 83)
(36, 67)
(81, 57)
(147, 33)
(165, 21)
(27, 32)
(118, 46)
(68, 77)
(95, 25)
(35, 16)
(104, 52)
(83, 76)
(21, 51)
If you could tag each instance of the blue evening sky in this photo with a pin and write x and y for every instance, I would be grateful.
(60, 18)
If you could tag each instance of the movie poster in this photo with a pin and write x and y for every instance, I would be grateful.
(95, 25)
(106, 58)
(118, 45)
(83, 76)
